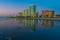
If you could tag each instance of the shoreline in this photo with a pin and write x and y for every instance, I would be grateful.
(40, 18)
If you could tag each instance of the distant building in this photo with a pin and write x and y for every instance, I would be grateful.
(57, 16)
(36, 14)
(47, 14)
(29, 12)
(20, 14)
(25, 13)
(32, 10)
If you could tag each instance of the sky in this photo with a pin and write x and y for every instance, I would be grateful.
(12, 7)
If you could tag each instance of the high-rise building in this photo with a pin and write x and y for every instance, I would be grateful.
(25, 13)
(29, 12)
(32, 10)
(47, 14)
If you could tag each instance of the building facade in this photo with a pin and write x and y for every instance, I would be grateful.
(25, 13)
(37, 14)
(29, 12)
(33, 10)
(20, 14)
(47, 14)
(57, 16)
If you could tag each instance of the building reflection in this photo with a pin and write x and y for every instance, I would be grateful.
(31, 24)
(47, 23)
(19, 20)
(58, 21)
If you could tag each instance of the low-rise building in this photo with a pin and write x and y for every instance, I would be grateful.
(47, 14)
(57, 16)
(20, 14)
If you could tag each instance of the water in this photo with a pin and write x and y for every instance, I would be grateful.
(26, 29)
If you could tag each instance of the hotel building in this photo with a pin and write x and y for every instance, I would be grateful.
(47, 14)
(32, 10)
(25, 13)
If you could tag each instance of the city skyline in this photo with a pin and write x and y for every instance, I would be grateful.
(12, 7)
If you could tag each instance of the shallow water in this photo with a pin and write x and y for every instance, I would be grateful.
(25, 29)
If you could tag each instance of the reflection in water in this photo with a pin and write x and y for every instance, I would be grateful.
(19, 20)
(58, 21)
(31, 24)
(8, 29)
(47, 23)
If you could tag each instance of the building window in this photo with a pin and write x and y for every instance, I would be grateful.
(46, 15)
